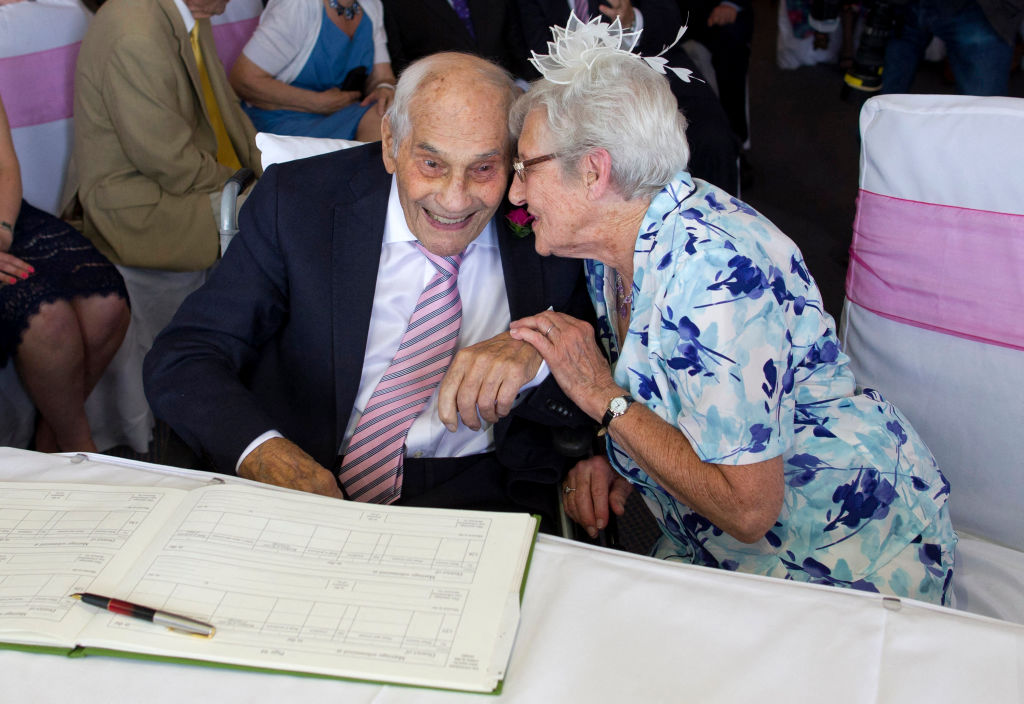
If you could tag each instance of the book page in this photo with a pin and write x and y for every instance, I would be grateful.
(302, 582)
(58, 539)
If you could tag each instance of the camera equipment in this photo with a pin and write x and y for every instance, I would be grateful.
(866, 72)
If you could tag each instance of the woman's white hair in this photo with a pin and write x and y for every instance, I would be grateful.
(619, 104)
(433, 67)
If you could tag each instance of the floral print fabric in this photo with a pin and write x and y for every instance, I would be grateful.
(728, 342)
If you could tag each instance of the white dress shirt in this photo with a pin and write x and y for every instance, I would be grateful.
(186, 15)
(485, 313)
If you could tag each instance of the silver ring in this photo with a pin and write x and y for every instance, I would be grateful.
(568, 489)
(550, 328)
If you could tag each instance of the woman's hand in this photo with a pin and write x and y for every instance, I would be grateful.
(12, 269)
(568, 346)
(722, 15)
(332, 100)
(591, 488)
(383, 95)
(620, 9)
(262, 90)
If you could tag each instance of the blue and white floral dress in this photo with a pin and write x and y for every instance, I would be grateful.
(728, 342)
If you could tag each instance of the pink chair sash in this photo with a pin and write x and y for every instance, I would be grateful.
(39, 87)
(231, 38)
(895, 276)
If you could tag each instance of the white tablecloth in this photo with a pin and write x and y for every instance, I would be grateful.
(603, 626)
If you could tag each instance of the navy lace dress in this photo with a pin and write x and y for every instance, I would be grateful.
(66, 266)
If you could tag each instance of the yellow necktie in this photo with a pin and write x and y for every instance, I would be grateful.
(225, 151)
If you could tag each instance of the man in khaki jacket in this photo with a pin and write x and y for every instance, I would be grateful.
(145, 159)
(147, 165)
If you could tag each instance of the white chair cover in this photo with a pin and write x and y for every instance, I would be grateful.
(38, 46)
(934, 316)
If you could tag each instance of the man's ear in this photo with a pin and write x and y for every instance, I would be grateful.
(387, 139)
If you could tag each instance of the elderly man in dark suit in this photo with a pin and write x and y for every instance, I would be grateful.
(274, 368)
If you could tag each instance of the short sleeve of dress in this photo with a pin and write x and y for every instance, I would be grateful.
(719, 353)
(278, 37)
(375, 11)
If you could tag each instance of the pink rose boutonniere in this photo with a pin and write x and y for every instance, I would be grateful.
(519, 220)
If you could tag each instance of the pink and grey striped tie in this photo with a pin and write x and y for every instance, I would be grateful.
(582, 8)
(372, 468)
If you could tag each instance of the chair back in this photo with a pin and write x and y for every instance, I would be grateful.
(39, 44)
(934, 311)
(232, 28)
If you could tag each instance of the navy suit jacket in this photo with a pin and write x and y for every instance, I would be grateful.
(417, 28)
(276, 338)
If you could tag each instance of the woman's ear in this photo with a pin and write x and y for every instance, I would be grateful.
(596, 171)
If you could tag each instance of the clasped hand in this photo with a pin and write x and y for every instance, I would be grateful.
(568, 346)
(592, 487)
(483, 380)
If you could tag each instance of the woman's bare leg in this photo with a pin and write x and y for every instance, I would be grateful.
(103, 321)
(51, 363)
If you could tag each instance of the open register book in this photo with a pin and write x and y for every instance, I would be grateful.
(292, 582)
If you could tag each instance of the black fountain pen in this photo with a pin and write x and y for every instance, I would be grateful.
(175, 622)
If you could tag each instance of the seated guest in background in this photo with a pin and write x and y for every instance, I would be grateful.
(728, 402)
(726, 29)
(979, 35)
(715, 148)
(63, 310)
(312, 324)
(314, 68)
(158, 131)
(418, 28)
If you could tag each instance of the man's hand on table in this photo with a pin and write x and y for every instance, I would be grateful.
(283, 463)
(483, 380)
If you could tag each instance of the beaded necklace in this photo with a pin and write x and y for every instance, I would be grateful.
(346, 12)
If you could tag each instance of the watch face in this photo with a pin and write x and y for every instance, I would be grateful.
(618, 405)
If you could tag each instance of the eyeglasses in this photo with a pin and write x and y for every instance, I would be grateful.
(520, 166)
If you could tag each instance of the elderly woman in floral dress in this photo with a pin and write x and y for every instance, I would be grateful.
(728, 402)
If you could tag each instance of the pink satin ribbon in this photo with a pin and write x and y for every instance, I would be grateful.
(953, 270)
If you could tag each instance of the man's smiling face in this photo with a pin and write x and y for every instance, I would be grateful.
(452, 167)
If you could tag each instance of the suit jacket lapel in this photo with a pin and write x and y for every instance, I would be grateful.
(184, 47)
(356, 243)
(521, 268)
